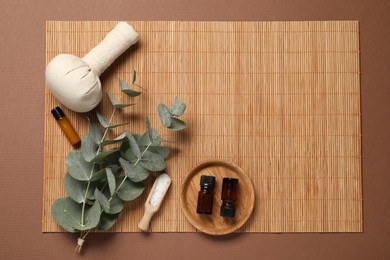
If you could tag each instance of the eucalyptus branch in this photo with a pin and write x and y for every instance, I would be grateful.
(82, 176)
(93, 166)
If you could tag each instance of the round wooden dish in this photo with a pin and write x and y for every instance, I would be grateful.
(215, 224)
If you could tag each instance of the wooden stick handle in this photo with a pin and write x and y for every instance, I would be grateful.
(145, 221)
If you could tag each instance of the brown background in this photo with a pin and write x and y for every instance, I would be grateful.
(22, 65)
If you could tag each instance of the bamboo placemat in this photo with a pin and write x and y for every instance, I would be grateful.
(279, 99)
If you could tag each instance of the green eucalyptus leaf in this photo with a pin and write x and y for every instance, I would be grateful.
(130, 190)
(115, 168)
(90, 196)
(117, 125)
(126, 152)
(111, 181)
(177, 125)
(112, 159)
(99, 175)
(107, 221)
(133, 79)
(79, 168)
(165, 115)
(92, 216)
(75, 189)
(108, 142)
(178, 107)
(133, 145)
(95, 132)
(116, 204)
(149, 129)
(153, 161)
(145, 139)
(128, 168)
(67, 214)
(116, 104)
(103, 155)
(102, 120)
(104, 203)
(114, 141)
(88, 147)
(140, 173)
(163, 151)
(126, 89)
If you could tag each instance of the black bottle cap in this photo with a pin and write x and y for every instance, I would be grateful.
(230, 180)
(208, 180)
(227, 211)
(57, 113)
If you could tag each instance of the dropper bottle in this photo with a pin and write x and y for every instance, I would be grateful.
(206, 195)
(66, 127)
(228, 197)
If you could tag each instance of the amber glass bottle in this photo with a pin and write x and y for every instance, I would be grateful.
(66, 127)
(206, 195)
(229, 196)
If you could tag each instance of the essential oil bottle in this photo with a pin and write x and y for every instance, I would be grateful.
(66, 127)
(229, 196)
(206, 195)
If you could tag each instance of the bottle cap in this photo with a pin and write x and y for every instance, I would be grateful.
(57, 113)
(209, 180)
(230, 180)
(227, 211)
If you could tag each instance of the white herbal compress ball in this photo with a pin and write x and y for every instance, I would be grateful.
(75, 82)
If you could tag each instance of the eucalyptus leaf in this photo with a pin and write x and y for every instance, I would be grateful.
(79, 168)
(111, 180)
(115, 168)
(153, 161)
(104, 203)
(75, 189)
(149, 129)
(102, 120)
(95, 132)
(126, 89)
(112, 159)
(108, 142)
(90, 196)
(165, 115)
(89, 147)
(117, 125)
(140, 173)
(126, 152)
(92, 216)
(133, 145)
(133, 79)
(107, 221)
(103, 155)
(177, 125)
(163, 151)
(128, 168)
(116, 204)
(99, 175)
(145, 139)
(118, 105)
(178, 107)
(67, 214)
(130, 190)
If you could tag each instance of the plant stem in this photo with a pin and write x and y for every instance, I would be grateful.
(93, 166)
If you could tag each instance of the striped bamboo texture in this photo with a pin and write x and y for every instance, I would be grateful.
(279, 99)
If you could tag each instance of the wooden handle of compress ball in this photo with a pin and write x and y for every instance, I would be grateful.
(145, 221)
